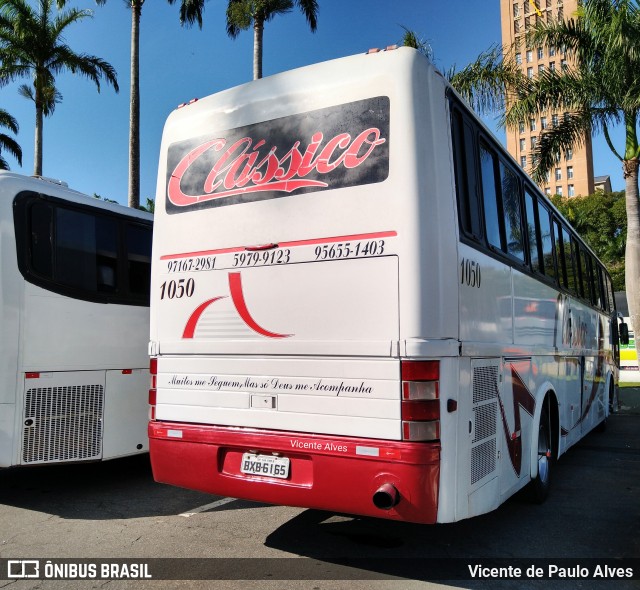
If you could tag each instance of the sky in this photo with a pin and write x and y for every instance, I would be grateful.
(86, 138)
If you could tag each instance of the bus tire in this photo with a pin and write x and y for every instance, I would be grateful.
(614, 399)
(539, 486)
(613, 408)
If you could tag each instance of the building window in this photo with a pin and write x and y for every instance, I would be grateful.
(552, 51)
(534, 141)
(563, 65)
(547, 191)
(540, 53)
(552, 66)
(529, 72)
(529, 56)
(527, 22)
(540, 68)
(568, 154)
(516, 26)
(558, 173)
(516, 9)
(519, 58)
(547, 176)
(523, 145)
(572, 191)
(559, 190)
(543, 122)
(569, 171)
(523, 161)
(521, 126)
(532, 124)
(554, 120)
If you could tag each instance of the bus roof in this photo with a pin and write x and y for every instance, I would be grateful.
(15, 183)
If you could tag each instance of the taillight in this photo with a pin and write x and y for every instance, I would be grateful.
(420, 400)
(153, 372)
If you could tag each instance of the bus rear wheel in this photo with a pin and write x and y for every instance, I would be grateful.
(539, 486)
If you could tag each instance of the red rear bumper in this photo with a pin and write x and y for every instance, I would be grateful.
(334, 473)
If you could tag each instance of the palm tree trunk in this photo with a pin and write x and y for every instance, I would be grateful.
(37, 157)
(632, 252)
(134, 107)
(258, 30)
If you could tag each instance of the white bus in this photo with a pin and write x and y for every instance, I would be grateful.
(74, 317)
(629, 356)
(361, 304)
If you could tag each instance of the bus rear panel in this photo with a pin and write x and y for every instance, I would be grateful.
(278, 321)
(326, 332)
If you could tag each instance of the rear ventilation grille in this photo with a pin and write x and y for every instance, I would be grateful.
(485, 384)
(63, 424)
(483, 460)
(485, 421)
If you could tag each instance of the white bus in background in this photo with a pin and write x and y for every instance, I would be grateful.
(74, 317)
(361, 304)
(629, 357)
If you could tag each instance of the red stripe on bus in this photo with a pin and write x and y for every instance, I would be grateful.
(311, 242)
(235, 286)
(190, 328)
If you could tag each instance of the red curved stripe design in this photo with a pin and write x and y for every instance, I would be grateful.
(190, 328)
(237, 296)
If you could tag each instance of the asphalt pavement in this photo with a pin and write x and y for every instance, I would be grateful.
(115, 510)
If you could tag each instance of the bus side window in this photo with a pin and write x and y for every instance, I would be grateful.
(609, 291)
(583, 281)
(593, 282)
(601, 287)
(75, 249)
(139, 260)
(490, 199)
(512, 212)
(546, 237)
(465, 174)
(533, 232)
(107, 254)
(570, 262)
(560, 255)
(40, 240)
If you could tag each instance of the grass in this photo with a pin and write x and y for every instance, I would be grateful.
(629, 384)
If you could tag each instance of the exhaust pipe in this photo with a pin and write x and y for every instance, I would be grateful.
(386, 497)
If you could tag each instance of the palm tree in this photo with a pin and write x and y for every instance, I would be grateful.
(7, 143)
(190, 12)
(412, 39)
(241, 14)
(488, 83)
(601, 89)
(32, 45)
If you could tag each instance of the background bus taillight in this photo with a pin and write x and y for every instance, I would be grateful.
(420, 400)
(153, 371)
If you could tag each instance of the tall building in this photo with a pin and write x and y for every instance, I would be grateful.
(573, 172)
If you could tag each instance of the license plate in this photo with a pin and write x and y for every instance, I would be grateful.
(265, 465)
